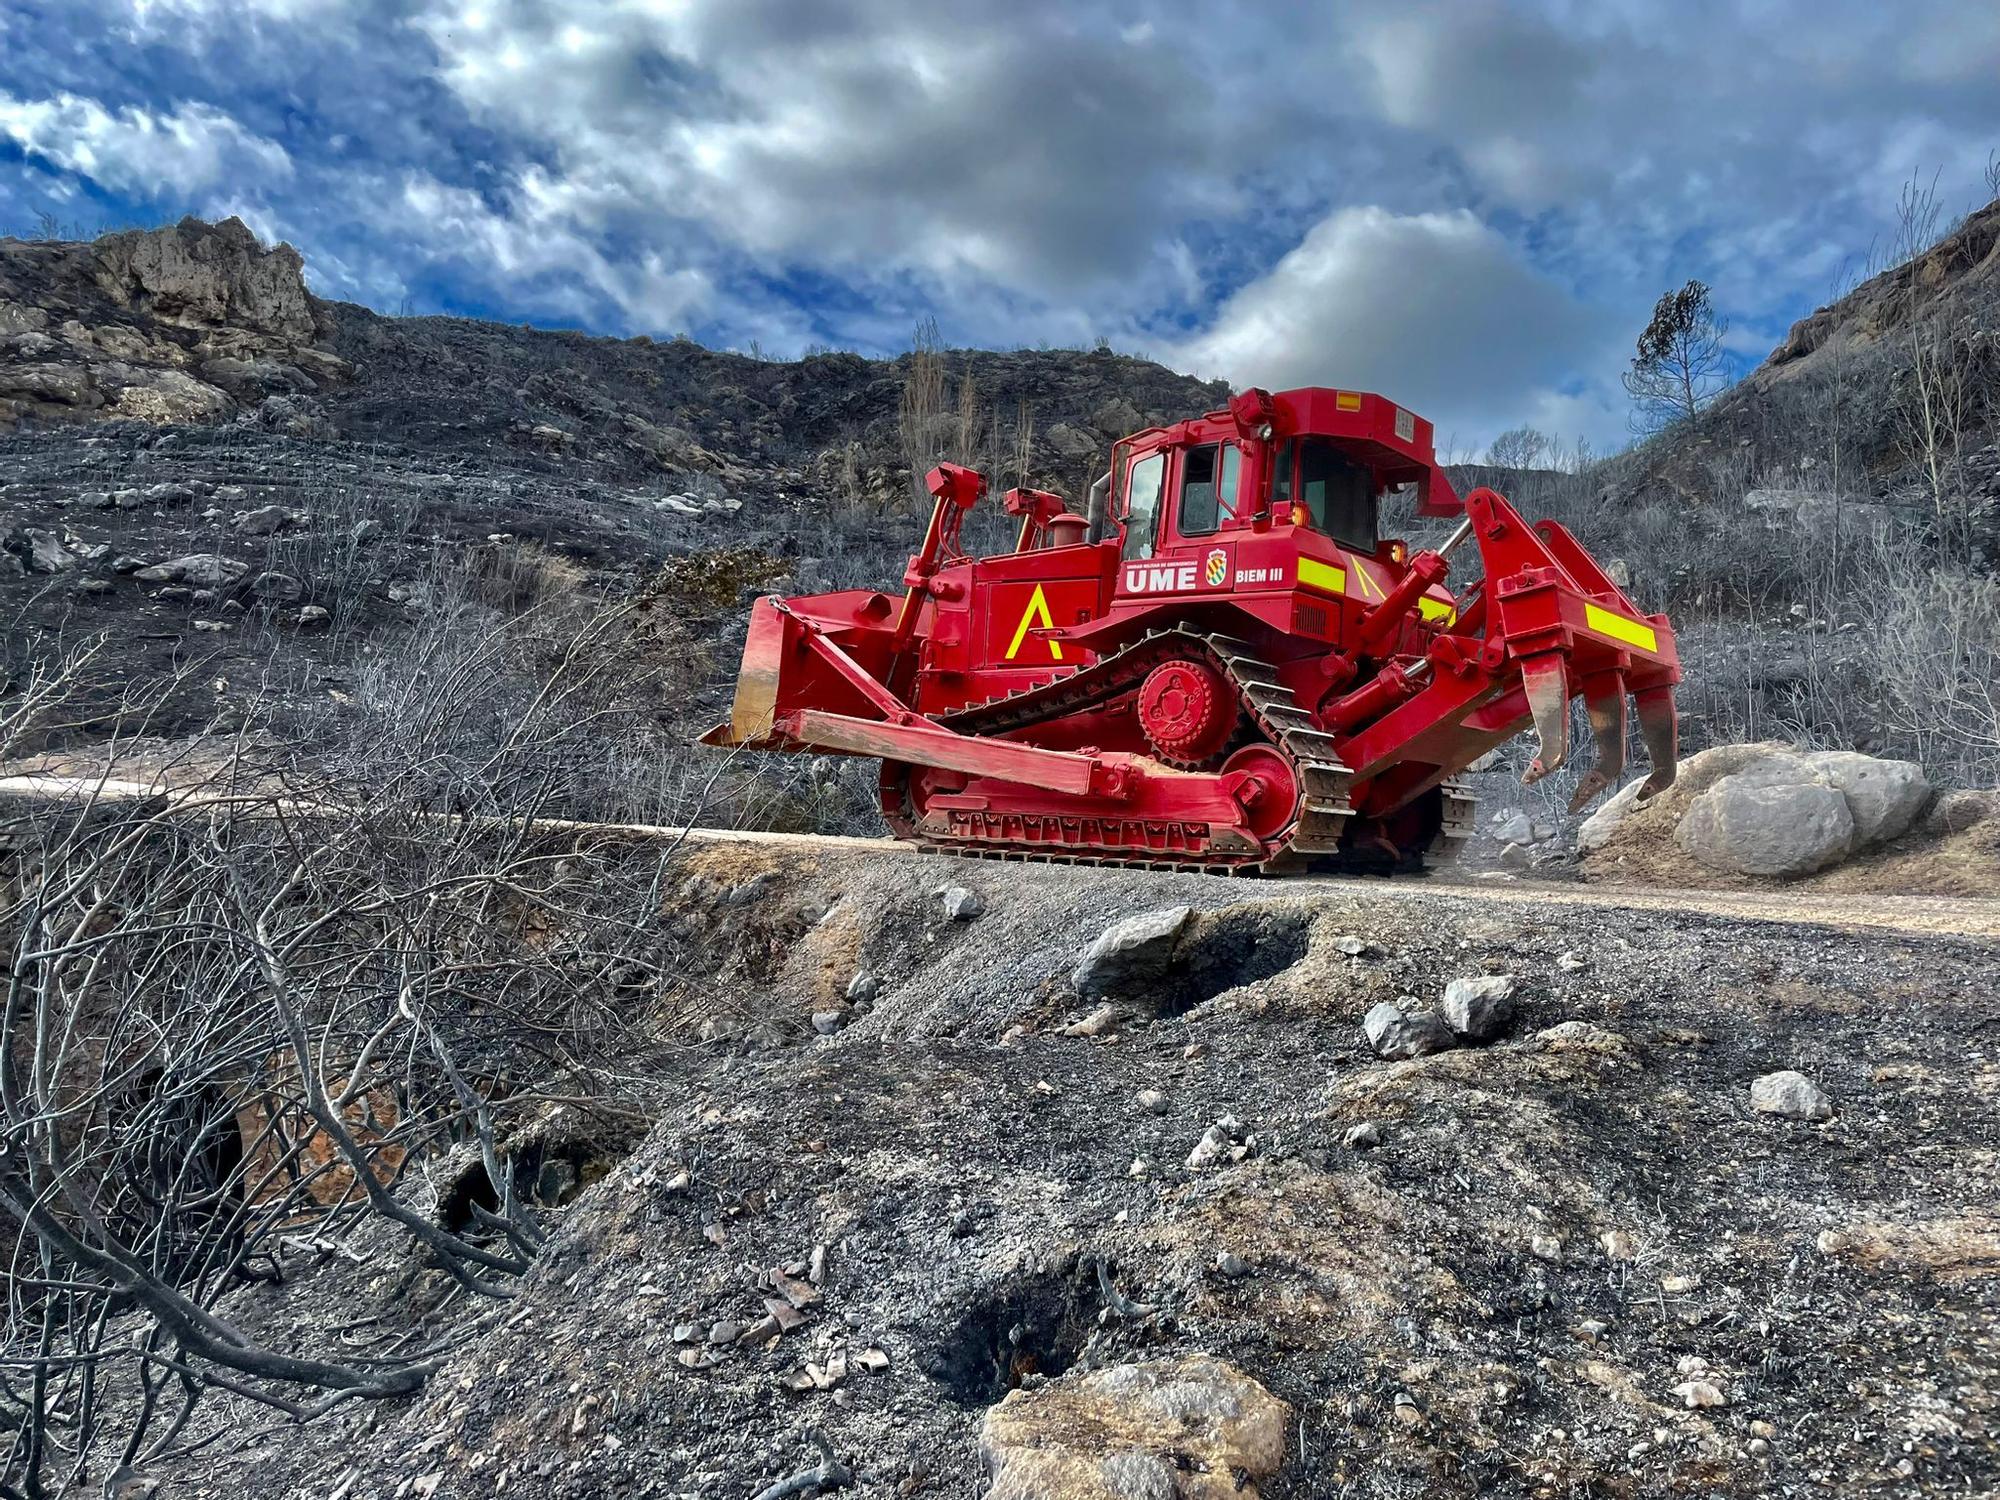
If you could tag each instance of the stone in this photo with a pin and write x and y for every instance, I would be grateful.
(962, 905)
(1884, 797)
(1395, 1033)
(276, 588)
(1351, 946)
(1789, 1096)
(1219, 1140)
(1152, 1101)
(1362, 1137)
(1117, 418)
(1596, 830)
(1546, 1247)
(863, 988)
(1618, 1245)
(1232, 1265)
(263, 521)
(314, 617)
(1699, 1393)
(1073, 442)
(1784, 829)
(1514, 828)
(292, 416)
(206, 570)
(1191, 1428)
(56, 384)
(1132, 953)
(1103, 1019)
(1578, 1036)
(168, 398)
(1480, 1007)
(827, 1022)
(46, 552)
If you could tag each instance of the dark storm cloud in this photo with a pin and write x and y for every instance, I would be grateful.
(1469, 204)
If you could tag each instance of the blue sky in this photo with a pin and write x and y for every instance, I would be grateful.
(1471, 206)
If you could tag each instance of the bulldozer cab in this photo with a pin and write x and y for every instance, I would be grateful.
(1321, 474)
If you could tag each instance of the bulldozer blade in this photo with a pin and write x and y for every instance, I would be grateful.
(1659, 728)
(1604, 700)
(1547, 687)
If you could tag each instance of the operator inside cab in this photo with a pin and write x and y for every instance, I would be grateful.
(1314, 484)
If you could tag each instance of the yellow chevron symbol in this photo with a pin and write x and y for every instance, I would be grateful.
(1037, 611)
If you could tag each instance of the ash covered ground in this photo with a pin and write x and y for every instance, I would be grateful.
(1571, 1261)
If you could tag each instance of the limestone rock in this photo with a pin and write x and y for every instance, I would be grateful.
(276, 588)
(1596, 830)
(1790, 1096)
(1395, 1033)
(1192, 1428)
(1073, 442)
(1884, 797)
(1131, 954)
(1479, 1007)
(263, 521)
(1749, 825)
(215, 275)
(202, 570)
(1117, 418)
(960, 904)
(167, 398)
(57, 384)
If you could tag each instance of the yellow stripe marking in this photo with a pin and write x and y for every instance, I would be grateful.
(1316, 574)
(1436, 609)
(1347, 401)
(1631, 632)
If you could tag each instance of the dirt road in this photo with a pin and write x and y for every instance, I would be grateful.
(1952, 915)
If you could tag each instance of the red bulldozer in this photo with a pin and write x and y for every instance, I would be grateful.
(1221, 664)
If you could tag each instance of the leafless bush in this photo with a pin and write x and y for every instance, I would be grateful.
(242, 1027)
(922, 407)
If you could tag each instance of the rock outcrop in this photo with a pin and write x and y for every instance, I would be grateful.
(186, 324)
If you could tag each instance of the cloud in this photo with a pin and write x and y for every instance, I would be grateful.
(1041, 154)
(1478, 199)
(1434, 310)
(151, 154)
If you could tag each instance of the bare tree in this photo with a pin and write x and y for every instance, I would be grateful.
(1940, 386)
(1024, 440)
(1679, 367)
(1519, 448)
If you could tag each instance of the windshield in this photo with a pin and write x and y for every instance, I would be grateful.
(1337, 495)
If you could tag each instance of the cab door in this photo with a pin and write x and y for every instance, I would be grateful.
(1145, 484)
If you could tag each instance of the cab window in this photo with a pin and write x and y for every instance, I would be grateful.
(1337, 495)
(1142, 506)
(1208, 487)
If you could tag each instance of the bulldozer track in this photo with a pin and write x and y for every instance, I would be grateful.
(1313, 839)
